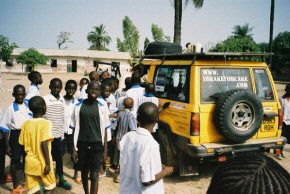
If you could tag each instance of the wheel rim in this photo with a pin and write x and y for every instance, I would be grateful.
(242, 116)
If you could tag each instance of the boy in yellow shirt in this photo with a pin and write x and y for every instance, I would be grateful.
(36, 138)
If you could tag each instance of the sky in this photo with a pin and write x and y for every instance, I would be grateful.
(37, 23)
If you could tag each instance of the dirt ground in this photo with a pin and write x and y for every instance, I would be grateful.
(173, 184)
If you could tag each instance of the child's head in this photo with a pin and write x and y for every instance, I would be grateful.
(19, 93)
(84, 81)
(287, 88)
(127, 83)
(105, 75)
(135, 79)
(250, 173)
(94, 76)
(71, 87)
(150, 88)
(93, 90)
(105, 89)
(115, 84)
(35, 77)
(147, 114)
(55, 87)
(37, 106)
(128, 103)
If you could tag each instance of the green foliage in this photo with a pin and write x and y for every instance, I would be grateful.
(6, 48)
(158, 35)
(63, 38)
(131, 38)
(146, 42)
(32, 57)
(281, 49)
(264, 47)
(242, 31)
(99, 38)
(245, 44)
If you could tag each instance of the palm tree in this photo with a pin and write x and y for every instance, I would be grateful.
(99, 38)
(242, 31)
(178, 16)
(271, 29)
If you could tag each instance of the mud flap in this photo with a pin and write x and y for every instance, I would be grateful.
(187, 166)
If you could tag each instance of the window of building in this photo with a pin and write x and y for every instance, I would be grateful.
(53, 63)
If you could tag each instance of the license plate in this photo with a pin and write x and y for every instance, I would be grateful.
(268, 125)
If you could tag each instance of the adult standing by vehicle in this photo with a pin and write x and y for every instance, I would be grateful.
(285, 102)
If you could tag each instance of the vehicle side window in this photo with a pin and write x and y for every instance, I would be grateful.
(217, 80)
(263, 86)
(172, 82)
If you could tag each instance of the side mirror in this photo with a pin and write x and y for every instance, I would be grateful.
(165, 105)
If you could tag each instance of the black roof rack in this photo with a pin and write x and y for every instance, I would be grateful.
(208, 56)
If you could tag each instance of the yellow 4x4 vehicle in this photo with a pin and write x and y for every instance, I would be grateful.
(221, 104)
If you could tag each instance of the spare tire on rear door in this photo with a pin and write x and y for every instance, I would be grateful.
(238, 115)
(154, 48)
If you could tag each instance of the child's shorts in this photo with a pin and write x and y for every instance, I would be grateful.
(34, 182)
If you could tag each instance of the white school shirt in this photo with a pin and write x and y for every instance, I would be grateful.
(150, 98)
(104, 122)
(113, 104)
(286, 110)
(15, 116)
(82, 93)
(140, 161)
(55, 113)
(69, 107)
(106, 112)
(32, 91)
(135, 92)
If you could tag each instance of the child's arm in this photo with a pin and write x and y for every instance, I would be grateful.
(44, 148)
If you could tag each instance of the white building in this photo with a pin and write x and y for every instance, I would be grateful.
(64, 60)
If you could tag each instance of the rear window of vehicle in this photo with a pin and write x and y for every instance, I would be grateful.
(263, 85)
(172, 82)
(216, 80)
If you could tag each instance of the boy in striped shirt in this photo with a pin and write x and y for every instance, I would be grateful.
(55, 113)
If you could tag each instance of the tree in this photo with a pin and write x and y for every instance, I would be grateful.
(158, 35)
(32, 57)
(271, 29)
(281, 49)
(242, 31)
(239, 44)
(178, 16)
(63, 38)
(131, 38)
(6, 48)
(146, 42)
(99, 38)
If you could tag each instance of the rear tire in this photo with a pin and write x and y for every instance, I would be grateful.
(167, 155)
(239, 115)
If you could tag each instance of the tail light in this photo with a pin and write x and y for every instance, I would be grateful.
(280, 118)
(195, 124)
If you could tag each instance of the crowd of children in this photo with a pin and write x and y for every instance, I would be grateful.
(100, 125)
(88, 123)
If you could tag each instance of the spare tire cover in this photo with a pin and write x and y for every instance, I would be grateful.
(162, 48)
(238, 115)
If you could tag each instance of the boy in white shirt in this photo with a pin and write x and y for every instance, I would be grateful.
(36, 79)
(12, 122)
(69, 105)
(55, 113)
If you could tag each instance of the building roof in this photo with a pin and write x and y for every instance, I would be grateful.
(78, 53)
